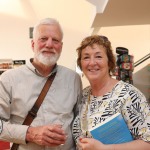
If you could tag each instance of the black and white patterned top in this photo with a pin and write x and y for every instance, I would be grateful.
(123, 98)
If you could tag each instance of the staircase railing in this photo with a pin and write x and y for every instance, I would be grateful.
(142, 60)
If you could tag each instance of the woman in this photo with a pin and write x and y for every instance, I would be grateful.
(106, 96)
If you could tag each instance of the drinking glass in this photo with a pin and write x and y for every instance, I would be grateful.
(61, 120)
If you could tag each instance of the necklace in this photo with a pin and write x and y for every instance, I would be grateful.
(84, 118)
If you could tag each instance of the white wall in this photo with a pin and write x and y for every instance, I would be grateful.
(135, 38)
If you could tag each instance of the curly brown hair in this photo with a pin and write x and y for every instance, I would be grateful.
(100, 40)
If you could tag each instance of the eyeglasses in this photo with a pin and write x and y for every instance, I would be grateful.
(104, 38)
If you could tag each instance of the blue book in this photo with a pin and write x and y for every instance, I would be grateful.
(113, 130)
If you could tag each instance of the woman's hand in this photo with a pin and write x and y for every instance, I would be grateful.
(92, 144)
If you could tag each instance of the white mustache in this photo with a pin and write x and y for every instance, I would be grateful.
(48, 50)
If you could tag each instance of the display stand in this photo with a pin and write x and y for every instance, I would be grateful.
(124, 66)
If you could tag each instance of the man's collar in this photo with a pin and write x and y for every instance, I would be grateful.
(32, 67)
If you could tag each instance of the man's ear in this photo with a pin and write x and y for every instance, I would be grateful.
(61, 46)
(32, 44)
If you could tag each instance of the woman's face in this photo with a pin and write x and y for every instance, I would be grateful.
(94, 62)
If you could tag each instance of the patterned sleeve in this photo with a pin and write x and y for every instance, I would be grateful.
(136, 112)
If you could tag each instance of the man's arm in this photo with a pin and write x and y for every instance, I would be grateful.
(8, 132)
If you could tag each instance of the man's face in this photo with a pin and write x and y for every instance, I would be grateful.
(47, 44)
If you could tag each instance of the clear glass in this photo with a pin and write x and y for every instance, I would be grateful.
(61, 120)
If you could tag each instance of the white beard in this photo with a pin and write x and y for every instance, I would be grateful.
(47, 60)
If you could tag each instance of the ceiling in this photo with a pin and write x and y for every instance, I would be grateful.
(120, 13)
(82, 15)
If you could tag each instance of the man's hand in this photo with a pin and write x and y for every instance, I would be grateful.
(49, 135)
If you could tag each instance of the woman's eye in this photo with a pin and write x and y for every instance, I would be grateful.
(98, 56)
(84, 58)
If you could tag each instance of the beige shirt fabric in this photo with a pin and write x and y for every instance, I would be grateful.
(19, 89)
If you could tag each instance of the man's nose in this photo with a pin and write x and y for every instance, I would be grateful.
(49, 43)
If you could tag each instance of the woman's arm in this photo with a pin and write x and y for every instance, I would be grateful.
(134, 145)
(92, 144)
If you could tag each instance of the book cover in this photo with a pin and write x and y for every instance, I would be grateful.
(113, 130)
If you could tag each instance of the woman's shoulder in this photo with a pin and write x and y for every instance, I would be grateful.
(128, 88)
(127, 85)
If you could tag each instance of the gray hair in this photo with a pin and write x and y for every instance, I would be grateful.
(47, 21)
